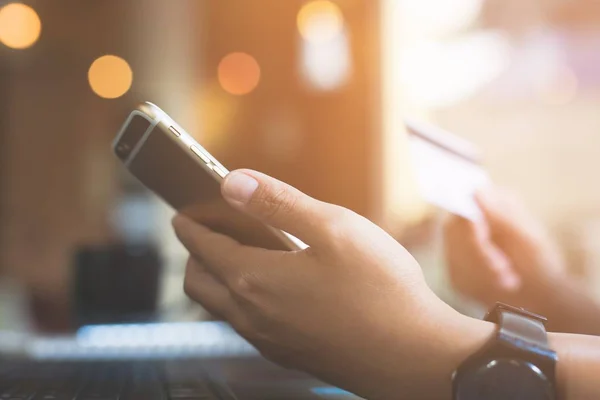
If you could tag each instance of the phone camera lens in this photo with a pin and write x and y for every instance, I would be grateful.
(134, 131)
(123, 148)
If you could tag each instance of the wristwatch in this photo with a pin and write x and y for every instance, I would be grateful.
(517, 364)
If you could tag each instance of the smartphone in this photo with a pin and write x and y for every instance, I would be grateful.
(168, 161)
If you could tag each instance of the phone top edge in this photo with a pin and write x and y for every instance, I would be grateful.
(151, 110)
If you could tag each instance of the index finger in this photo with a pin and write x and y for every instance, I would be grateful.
(223, 256)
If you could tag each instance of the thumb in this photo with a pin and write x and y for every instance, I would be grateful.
(277, 204)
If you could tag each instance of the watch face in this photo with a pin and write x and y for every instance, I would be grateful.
(504, 379)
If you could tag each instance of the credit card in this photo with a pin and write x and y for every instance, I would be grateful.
(448, 169)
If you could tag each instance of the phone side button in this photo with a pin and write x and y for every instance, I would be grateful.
(197, 152)
(174, 131)
(219, 171)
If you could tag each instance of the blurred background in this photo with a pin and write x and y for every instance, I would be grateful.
(311, 92)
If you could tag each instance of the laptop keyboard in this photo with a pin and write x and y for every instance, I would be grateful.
(108, 381)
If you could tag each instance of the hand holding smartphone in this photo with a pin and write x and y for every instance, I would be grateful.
(168, 161)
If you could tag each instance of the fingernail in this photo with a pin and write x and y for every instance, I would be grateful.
(239, 187)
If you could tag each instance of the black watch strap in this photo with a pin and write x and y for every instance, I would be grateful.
(517, 363)
(519, 324)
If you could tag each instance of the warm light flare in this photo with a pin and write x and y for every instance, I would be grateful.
(239, 73)
(320, 20)
(110, 76)
(20, 26)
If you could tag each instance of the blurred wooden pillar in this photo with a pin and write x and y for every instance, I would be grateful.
(57, 171)
(325, 143)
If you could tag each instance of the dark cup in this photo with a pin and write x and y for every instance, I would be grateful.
(116, 284)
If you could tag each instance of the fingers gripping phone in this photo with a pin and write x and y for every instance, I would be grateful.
(168, 161)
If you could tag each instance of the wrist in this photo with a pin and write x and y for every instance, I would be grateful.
(443, 345)
(468, 338)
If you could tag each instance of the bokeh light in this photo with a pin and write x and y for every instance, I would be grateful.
(326, 66)
(110, 77)
(239, 73)
(438, 74)
(20, 26)
(320, 20)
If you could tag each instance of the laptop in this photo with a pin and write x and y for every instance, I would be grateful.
(125, 347)
(192, 361)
